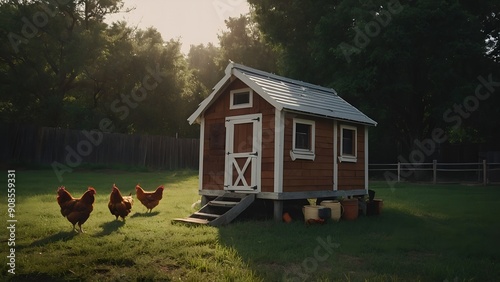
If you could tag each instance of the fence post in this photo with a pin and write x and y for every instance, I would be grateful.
(399, 171)
(485, 168)
(434, 171)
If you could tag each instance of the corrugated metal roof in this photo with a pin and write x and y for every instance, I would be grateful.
(290, 94)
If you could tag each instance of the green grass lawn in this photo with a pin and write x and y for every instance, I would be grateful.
(425, 233)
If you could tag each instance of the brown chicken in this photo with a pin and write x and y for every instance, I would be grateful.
(149, 199)
(119, 205)
(76, 210)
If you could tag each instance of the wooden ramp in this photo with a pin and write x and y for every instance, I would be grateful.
(220, 211)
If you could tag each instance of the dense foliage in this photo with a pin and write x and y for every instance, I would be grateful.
(416, 67)
(61, 65)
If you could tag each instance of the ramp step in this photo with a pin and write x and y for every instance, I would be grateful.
(223, 203)
(213, 214)
(207, 214)
(234, 195)
(192, 220)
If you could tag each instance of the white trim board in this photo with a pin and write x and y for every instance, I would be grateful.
(348, 158)
(279, 148)
(335, 153)
(202, 146)
(366, 158)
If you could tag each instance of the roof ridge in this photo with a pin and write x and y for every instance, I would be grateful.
(282, 78)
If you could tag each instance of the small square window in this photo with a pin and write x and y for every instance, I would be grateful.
(348, 145)
(303, 140)
(347, 142)
(241, 98)
(303, 136)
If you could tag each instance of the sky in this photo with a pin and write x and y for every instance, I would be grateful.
(191, 21)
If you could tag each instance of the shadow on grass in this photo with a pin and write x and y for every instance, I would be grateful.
(60, 236)
(109, 227)
(289, 246)
(145, 214)
(34, 276)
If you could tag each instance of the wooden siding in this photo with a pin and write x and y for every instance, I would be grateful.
(309, 175)
(352, 175)
(215, 138)
(299, 175)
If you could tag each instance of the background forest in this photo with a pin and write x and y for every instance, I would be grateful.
(416, 67)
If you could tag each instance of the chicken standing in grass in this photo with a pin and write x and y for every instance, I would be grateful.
(76, 210)
(149, 199)
(119, 205)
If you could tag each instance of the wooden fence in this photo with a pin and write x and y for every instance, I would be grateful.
(480, 172)
(43, 145)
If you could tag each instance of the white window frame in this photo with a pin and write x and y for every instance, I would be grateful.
(304, 154)
(348, 158)
(240, 106)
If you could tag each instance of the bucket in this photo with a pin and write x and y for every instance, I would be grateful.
(324, 213)
(311, 212)
(350, 209)
(371, 195)
(336, 208)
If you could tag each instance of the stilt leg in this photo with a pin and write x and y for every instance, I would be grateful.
(204, 200)
(278, 210)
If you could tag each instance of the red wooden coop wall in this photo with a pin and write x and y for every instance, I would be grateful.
(215, 138)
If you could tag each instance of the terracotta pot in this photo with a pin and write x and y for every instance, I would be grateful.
(350, 208)
(378, 205)
(287, 218)
(375, 207)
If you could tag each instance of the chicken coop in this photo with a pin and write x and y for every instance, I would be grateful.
(264, 136)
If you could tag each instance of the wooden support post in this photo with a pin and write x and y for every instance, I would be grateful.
(485, 170)
(434, 171)
(399, 171)
(278, 210)
(204, 200)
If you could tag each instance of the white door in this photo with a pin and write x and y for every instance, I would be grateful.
(243, 153)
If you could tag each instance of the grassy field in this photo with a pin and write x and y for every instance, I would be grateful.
(425, 233)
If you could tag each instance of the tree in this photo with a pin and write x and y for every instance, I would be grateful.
(144, 83)
(244, 43)
(404, 63)
(62, 66)
(202, 61)
(169, 99)
(45, 48)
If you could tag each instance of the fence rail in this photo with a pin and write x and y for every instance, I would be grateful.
(485, 172)
(43, 145)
